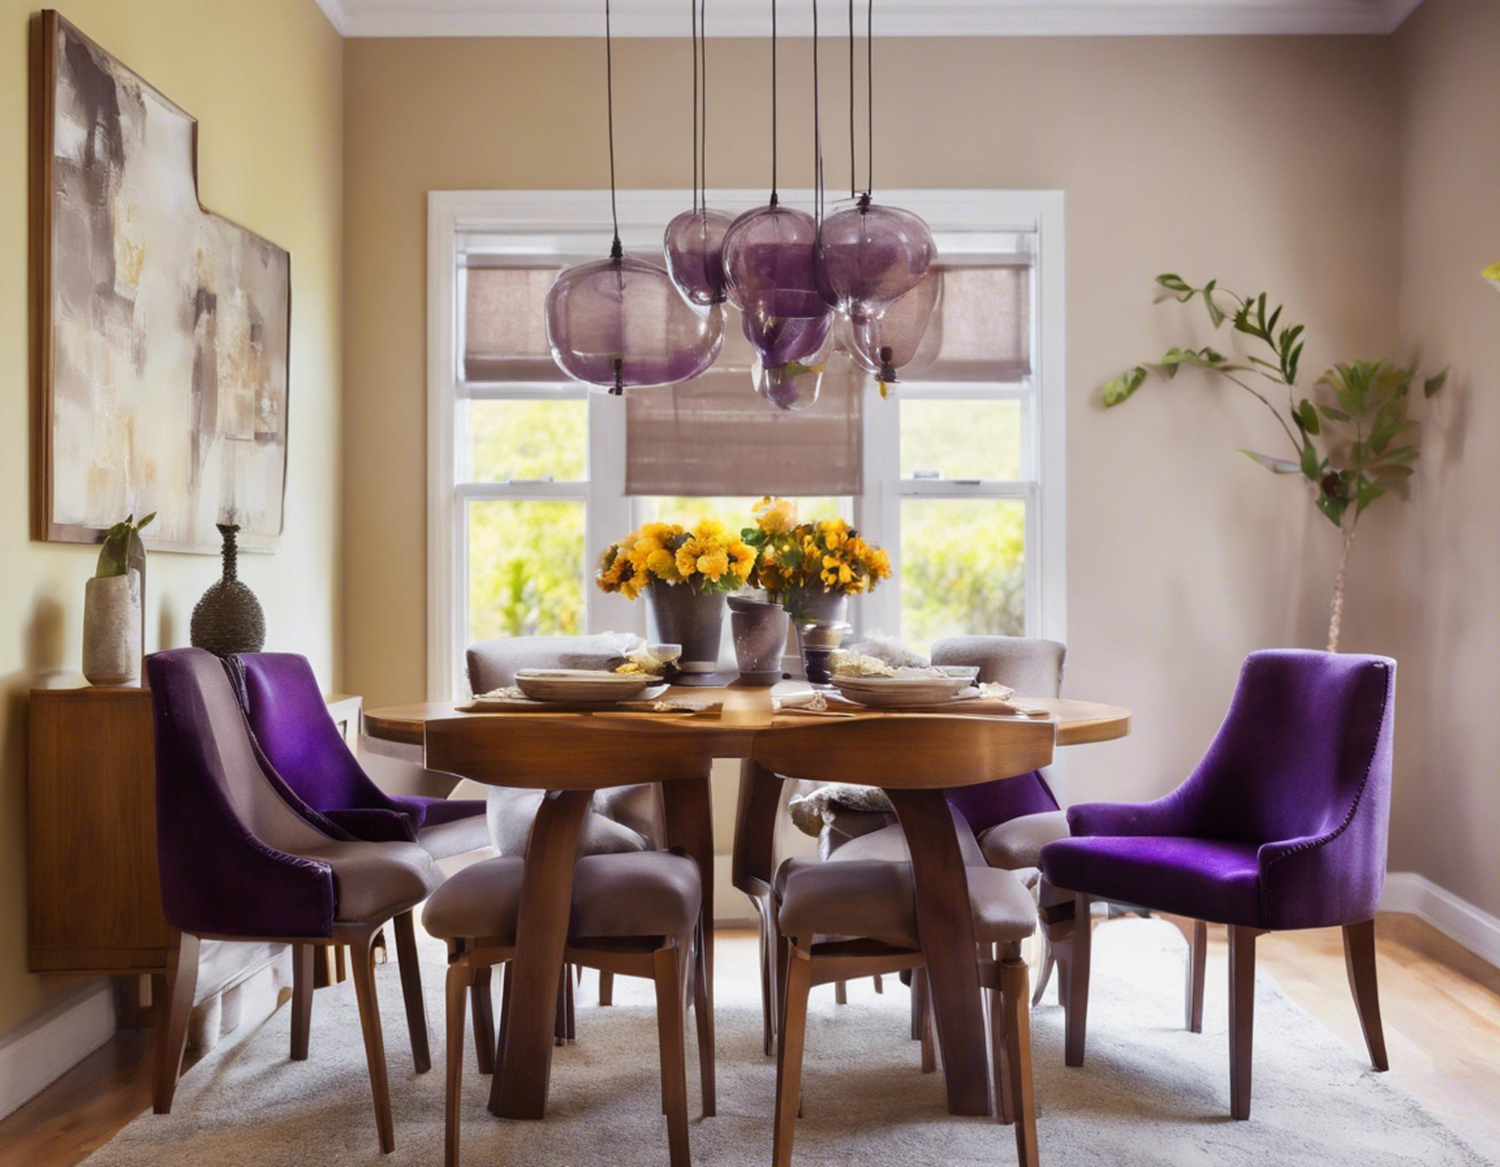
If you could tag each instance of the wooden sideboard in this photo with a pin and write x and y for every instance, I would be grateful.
(94, 897)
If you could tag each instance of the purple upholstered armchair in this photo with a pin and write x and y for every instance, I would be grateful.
(240, 859)
(292, 725)
(1281, 825)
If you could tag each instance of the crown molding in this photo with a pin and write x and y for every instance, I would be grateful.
(895, 18)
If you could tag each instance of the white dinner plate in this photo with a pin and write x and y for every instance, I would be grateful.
(585, 685)
(901, 692)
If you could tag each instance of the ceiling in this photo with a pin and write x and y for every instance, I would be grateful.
(401, 18)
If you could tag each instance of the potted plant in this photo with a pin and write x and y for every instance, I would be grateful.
(685, 574)
(112, 603)
(812, 567)
(1350, 440)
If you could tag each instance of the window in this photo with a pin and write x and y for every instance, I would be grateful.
(959, 475)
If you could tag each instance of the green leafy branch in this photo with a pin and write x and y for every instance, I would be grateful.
(1347, 442)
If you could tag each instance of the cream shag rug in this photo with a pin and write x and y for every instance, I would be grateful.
(1150, 1093)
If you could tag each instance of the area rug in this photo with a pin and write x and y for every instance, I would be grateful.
(1150, 1093)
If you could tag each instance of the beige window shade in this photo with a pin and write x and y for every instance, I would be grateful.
(715, 436)
(505, 328)
(984, 325)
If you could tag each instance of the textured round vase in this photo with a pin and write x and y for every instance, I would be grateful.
(759, 631)
(871, 255)
(694, 248)
(681, 614)
(112, 629)
(620, 324)
(228, 619)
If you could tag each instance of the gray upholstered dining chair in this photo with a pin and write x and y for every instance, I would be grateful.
(241, 858)
(1012, 818)
(622, 819)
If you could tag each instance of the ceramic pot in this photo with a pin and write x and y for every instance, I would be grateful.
(759, 630)
(816, 604)
(112, 630)
(683, 615)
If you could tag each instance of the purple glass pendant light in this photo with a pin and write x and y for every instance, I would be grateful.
(694, 241)
(619, 323)
(870, 256)
(770, 277)
(907, 335)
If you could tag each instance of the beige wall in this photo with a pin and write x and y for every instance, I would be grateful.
(1450, 229)
(265, 79)
(1268, 163)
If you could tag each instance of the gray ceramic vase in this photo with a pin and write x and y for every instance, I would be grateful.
(759, 630)
(228, 619)
(683, 615)
(112, 629)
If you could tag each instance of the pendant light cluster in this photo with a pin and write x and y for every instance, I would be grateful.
(862, 279)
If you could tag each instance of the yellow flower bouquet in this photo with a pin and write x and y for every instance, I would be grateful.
(706, 557)
(828, 556)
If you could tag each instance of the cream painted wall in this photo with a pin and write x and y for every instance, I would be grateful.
(1448, 53)
(264, 77)
(1268, 163)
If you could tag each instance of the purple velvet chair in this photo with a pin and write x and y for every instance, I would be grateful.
(1282, 825)
(291, 723)
(241, 858)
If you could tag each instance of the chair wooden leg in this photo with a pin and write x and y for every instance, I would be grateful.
(1359, 961)
(460, 981)
(560, 1017)
(411, 990)
(1197, 966)
(767, 980)
(879, 984)
(303, 973)
(929, 1034)
(571, 1013)
(362, 968)
(841, 992)
(505, 983)
(703, 1009)
(782, 958)
(1072, 952)
(670, 1008)
(1018, 1057)
(1241, 1018)
(176, 1002)
(1005, 1112)
(918, 1002)
(1045, 964)
(606, 988)
(789, 1056)
(484, 1020)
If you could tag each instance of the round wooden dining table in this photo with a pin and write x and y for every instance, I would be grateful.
(483, 746)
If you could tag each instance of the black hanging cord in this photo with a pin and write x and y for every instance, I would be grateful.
(870, 98)
(851, 99)
(693, 12)
(616, 252)
(817, 126)
(774, 198)
(703, 122)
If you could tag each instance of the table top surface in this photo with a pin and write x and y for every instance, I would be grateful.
(746, 711)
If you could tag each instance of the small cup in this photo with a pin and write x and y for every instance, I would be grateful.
(818, 639)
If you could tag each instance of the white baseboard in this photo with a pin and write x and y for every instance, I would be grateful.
(1455, 918)
(44, 1049)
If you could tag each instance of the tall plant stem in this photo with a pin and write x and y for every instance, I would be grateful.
(1336, 614)
(1266, 401)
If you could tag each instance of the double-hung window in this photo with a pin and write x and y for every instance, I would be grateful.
(958, 474)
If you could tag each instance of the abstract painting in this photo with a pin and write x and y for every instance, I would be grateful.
(164, 327)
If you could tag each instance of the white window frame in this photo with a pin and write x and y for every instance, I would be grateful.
(573, 225)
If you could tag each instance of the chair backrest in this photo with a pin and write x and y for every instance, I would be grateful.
(1033, 668)
(1305, 746)
(216, 797)
(290, 720)
(493, 664)
(933, 751)
(566, 751)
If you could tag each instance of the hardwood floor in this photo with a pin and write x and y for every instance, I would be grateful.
(1441, 1006)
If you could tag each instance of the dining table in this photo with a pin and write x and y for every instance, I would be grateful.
(462, 738)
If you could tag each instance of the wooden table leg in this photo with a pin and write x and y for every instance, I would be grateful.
(523, 1069)
(946, 928)
(689, 820)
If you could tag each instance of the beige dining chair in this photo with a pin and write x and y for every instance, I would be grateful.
(838, 921)
(636, 913)
(622, 819)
